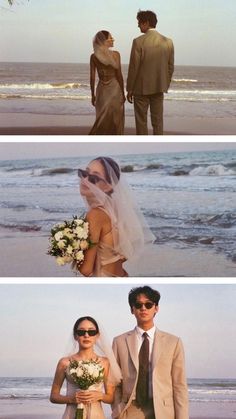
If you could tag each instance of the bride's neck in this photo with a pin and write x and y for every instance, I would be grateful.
(87, 354)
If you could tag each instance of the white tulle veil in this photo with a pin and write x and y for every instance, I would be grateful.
(130, 231)
(102, 52)
(102, 347)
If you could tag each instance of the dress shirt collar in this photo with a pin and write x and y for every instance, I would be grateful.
(150, 332)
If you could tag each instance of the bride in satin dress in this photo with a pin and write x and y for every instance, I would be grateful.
(87, 335)
(117, 228)
(109, 98)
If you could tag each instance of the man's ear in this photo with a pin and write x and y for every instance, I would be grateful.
(157, 309)
(131, 309)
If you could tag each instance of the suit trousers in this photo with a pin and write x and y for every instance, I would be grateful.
(136, 412)
(141, 105)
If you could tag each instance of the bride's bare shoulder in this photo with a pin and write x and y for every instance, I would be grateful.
(63, 362)
(97, 214)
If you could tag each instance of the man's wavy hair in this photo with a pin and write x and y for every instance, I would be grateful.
(149, 292)
(147, 16)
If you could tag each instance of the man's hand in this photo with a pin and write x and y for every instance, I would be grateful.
(130, 97)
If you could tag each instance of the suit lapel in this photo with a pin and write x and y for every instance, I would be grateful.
(133, 348)
(158, 347)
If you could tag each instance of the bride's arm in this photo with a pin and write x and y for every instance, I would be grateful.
(92, 79)
(108, 396)
(95, 220)
(55, 396)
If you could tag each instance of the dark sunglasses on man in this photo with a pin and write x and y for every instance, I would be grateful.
(148, 305)
(91, 178)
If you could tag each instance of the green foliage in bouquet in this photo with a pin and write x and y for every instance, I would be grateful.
(86, 373)
(69, 240)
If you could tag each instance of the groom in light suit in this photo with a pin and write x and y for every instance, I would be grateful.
(152, 365)
(150, 71)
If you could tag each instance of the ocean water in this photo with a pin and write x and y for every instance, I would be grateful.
(63, 89)
(18, 391)
(188, 199)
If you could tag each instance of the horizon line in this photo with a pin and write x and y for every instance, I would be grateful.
(87, 62)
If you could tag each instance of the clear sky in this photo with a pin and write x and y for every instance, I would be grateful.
(203, 31)
(37, 320)
(34, 149)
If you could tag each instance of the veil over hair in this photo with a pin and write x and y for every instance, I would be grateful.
(130, 230)
(102, 347)
(102, 52)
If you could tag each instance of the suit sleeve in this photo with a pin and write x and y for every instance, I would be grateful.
(118, 390)
(134, 63)
(180, 389)
(171, 60)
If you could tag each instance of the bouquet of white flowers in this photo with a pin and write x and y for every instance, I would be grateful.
(85, 374)
(69, 240)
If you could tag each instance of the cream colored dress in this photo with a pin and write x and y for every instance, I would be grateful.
(107, 255)
(109, 102)
(91, 411)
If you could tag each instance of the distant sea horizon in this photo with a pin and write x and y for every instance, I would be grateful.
(124, 63)
(200, 389)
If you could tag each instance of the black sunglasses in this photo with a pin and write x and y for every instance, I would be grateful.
(82, 332)
(147, 305)
(91, 178)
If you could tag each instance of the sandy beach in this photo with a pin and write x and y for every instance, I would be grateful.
(43, 409)
(25, 256)
(39, 124)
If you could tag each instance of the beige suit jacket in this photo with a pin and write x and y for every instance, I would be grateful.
(151, 64)
(170, 393)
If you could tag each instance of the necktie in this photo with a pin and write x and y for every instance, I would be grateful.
(143, 374)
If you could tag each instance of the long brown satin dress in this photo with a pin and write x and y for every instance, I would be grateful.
(109, 102)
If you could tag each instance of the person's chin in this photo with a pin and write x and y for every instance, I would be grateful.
(84, 190)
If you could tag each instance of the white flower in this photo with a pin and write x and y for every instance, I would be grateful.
(92, 370)
(68, 233)
(73, 370)
(60, 260)
(79, 256)
(61, 244)
(76, 244)
(58, 236)
(61, 225)
(79, 221)
(83, 245)
(80, 232)
(79, 371)
(67, 230)
(69, 250)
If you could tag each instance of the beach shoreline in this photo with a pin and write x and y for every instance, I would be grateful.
(40, 124)
(43, 409)
(26, 256)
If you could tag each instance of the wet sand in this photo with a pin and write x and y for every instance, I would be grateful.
(36, 124)
(25, 256)
(43, 409)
